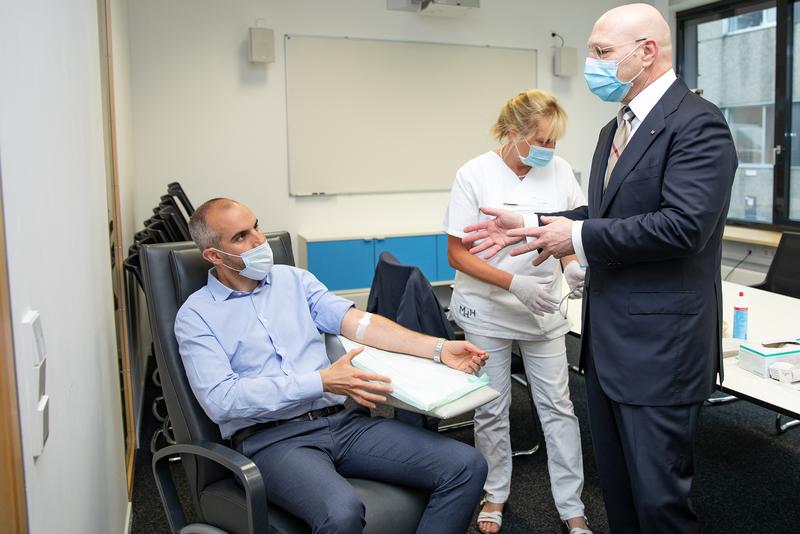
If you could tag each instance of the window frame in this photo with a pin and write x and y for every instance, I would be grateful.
(784, 53)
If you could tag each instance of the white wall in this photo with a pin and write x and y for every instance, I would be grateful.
(54, 193)
(124, 120)
(206, 117)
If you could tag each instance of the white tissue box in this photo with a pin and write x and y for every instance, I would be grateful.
(785, 372)
(758, 357)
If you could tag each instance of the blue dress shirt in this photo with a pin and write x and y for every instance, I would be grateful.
(252, 357)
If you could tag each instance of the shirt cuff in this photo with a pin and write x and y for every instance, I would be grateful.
(309, 385)
(577, 243)
(530, 220)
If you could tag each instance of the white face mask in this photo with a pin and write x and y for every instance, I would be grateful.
(257, 262)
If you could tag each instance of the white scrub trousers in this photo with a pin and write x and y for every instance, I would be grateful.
(547, 373)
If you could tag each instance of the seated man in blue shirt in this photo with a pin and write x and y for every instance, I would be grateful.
(250, 343)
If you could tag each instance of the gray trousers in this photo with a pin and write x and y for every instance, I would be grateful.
(306, 462)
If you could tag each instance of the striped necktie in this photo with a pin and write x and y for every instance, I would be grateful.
(623, 133)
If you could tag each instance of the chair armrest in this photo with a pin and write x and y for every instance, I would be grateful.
(243, 467)
(333, 347)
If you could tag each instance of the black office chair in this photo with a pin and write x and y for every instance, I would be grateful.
(172, 272)
(782, 276)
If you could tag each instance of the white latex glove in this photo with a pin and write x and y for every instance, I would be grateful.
(575, 276)
(533, 294)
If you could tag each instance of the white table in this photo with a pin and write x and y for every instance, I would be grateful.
(771, 316)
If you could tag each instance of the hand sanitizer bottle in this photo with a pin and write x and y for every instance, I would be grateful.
(740, 317)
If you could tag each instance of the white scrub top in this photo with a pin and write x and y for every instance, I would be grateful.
(485, 309)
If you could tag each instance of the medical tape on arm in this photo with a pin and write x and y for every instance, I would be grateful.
(363, 323)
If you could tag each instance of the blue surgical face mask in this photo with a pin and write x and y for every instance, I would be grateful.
(538, 156)
(257, 262)
(601, 77)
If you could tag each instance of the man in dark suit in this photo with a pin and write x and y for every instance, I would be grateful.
(651, 240)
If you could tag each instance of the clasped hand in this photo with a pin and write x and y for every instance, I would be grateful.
(553, 238)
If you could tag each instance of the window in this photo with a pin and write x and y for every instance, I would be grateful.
(751, 127)
(752, 20)
(736, 52)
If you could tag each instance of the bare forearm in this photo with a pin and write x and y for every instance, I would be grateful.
(460, 258)
(388, 335)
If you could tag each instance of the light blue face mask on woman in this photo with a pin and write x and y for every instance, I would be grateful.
(537, 157)
(601, 77)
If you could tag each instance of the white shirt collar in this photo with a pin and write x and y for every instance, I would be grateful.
(650, 95)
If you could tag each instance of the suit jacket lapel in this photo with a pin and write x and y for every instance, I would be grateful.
(599, 164)
(648, 130)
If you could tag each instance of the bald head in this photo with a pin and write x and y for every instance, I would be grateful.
(202, 225)
(634, 21)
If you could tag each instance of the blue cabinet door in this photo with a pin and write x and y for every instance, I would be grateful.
(443, 269)
(413, 250)
(346, 264)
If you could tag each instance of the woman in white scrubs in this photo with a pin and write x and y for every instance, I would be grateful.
(506, 300)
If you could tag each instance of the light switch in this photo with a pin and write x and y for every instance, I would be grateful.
(39, 377)
(42, 426)
(34, 333)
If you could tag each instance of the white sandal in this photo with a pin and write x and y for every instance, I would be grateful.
(490, 517)
(577, 530)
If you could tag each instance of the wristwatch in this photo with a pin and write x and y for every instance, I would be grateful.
(437, 352)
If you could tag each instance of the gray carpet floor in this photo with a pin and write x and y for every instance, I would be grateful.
(747, 481)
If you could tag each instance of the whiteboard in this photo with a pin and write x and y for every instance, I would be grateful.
(368, 116)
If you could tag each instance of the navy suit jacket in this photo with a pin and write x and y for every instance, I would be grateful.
(403, 294)
(653, 240)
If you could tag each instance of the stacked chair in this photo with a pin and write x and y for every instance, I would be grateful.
(169, 223)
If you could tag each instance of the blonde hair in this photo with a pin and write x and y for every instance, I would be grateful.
(529, 111)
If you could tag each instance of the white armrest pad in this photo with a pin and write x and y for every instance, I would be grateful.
(468, 402)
